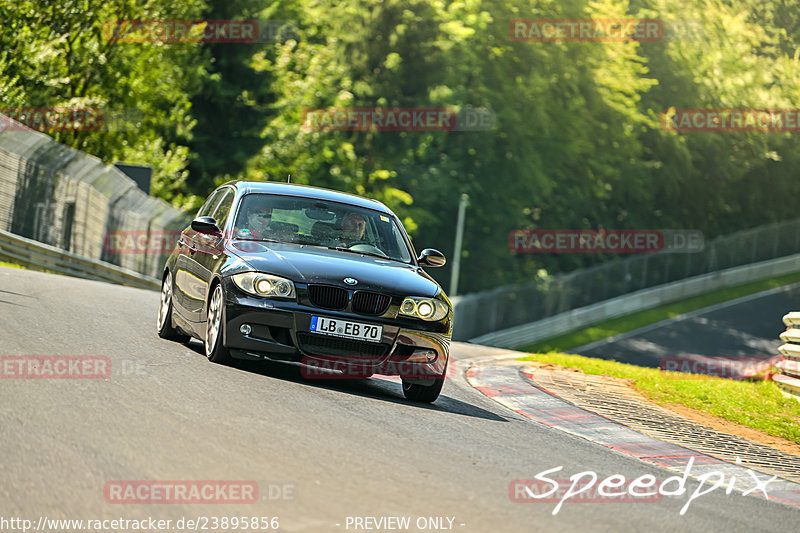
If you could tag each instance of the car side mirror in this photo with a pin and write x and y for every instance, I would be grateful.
(431, 258)
(206, 225)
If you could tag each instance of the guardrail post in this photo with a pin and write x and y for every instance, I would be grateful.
(789, 377)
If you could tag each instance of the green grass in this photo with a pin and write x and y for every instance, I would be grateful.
(615, 326)
(759, 405)
(37, 269)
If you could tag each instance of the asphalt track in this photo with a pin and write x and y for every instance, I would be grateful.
(332, 449)
(745, 327)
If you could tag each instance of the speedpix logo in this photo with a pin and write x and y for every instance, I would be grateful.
(587, 486)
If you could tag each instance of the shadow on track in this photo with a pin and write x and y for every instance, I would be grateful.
(376, 387)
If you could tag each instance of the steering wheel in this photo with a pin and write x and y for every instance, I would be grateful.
(366, 247)
(359, 242)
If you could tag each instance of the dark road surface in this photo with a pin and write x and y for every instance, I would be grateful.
(747, 327)
(319, 451)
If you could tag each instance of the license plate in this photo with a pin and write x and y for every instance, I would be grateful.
(346, 329)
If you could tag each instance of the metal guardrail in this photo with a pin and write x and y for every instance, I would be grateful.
(574, 319)
(38, 256)
(60, 196)
(505, 307)
(789, 377)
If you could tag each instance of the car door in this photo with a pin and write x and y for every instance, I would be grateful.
(190, 286)
(210, 248)
(204, 252)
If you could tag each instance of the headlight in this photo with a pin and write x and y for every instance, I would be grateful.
(266, 285)
(425, 308)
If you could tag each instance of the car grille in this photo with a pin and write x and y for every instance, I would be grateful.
(327, 297)
(370, 303)
(313, 344)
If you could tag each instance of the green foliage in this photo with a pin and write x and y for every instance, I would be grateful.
(57, 54)
(759, 405)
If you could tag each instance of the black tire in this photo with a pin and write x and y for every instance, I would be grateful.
(423, 393)
(215, 329)
(166, 329)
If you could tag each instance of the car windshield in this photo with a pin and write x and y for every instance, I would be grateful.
(296, 220)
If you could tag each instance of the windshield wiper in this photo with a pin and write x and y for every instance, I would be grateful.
(262, 240)
(342, 249)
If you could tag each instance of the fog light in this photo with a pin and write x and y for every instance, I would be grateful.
(430, 356)
(423, 356)
(245, 329)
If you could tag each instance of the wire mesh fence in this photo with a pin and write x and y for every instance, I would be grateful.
(505, 307)
(66, 198)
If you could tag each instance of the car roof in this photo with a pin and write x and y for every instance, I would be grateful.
(307, 191)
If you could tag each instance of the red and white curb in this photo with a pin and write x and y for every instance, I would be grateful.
(506, 385)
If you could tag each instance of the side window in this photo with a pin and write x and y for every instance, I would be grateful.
(223, 210)
(205, 211)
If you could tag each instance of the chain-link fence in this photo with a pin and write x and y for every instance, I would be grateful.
(505, 307)
(66, 198)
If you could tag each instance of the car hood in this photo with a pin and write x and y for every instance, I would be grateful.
(313, 264)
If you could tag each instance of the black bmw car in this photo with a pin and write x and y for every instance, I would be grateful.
(312, 276)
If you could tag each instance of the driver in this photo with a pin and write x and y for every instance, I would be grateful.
(258, 219)
(354, 226)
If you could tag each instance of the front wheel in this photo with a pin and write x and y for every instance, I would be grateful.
(215, 329)
(165, 328)
(423, 393)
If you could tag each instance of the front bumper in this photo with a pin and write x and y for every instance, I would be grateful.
(280, 330)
